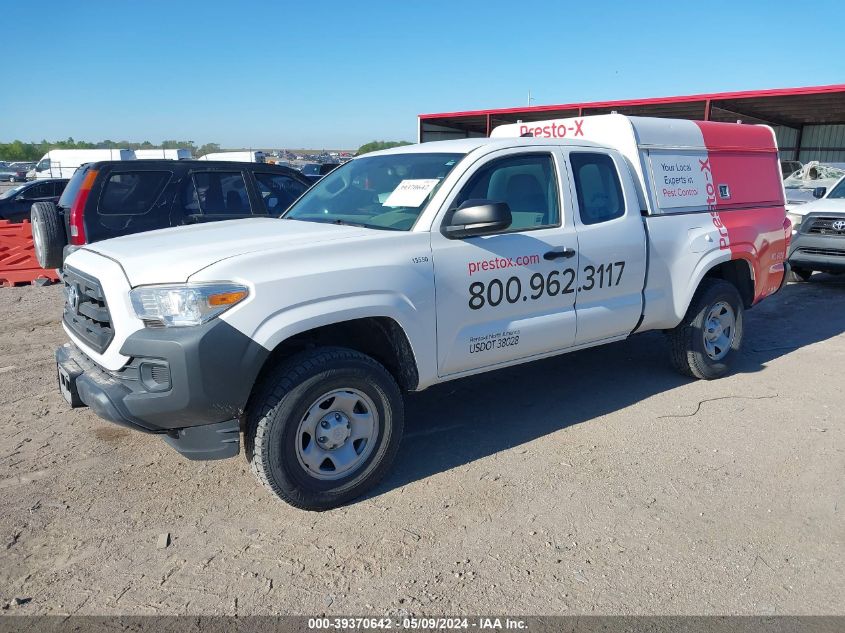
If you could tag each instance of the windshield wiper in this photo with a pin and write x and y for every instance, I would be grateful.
(348, 223)
(341, 222)
(337, 221)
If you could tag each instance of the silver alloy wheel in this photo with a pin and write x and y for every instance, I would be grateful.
(337, 434)
(719, 330)
(38, 234)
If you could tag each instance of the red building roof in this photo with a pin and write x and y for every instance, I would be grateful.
(791, 107)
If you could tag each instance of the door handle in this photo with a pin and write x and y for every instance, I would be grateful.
(564, 253)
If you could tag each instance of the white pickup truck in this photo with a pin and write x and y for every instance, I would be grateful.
(418, 265)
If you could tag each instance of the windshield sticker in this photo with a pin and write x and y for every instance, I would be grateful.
(411, 193)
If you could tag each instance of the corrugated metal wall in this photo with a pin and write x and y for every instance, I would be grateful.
(824, 143)
(433, 132)
(787, 138)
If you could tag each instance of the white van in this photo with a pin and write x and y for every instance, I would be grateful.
(61, 163)
(239, 157)
(170, 154)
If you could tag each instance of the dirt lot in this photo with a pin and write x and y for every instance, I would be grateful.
(598, 482)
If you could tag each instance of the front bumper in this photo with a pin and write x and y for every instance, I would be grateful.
(825, 253)
(188, 384)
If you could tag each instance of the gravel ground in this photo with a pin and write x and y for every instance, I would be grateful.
(595, 483)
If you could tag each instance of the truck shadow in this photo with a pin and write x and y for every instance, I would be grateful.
(459, 422)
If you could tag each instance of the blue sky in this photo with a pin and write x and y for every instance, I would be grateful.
(337, 74)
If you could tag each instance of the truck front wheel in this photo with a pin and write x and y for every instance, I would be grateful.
(324, 427)
(707, 341)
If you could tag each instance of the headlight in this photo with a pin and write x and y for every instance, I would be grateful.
(795, 219)
(181, 305)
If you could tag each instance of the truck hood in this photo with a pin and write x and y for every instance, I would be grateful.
(825, 205)
(173, 255)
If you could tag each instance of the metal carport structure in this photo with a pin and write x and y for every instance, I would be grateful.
(809, 121)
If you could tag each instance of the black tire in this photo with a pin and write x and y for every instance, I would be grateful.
(688, 353)
(48, 234)
(281, 402)
(799, 274)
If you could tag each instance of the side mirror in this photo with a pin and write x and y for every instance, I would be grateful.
(819, 192)
(477, 217)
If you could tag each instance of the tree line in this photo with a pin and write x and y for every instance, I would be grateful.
(374, 146)
(20, 151)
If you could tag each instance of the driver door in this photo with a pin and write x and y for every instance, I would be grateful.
(509, 295)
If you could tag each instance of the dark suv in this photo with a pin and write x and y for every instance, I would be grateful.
(16, 202)
(113, 198)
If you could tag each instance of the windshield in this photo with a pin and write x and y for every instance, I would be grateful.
(10, 193)
(800, 185)
(838, 191)
(379, 192)
(311, 170)
(815, 172)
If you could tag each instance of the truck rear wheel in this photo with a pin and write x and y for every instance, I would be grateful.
(706, 342)
(324, 427)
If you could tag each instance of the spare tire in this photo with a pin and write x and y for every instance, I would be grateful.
(48, 234)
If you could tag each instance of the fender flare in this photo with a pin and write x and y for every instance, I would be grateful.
(705, 267)
(295, 320)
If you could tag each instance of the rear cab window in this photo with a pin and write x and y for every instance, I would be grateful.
(597, 187)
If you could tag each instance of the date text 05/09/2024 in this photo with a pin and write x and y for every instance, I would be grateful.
(418, 623)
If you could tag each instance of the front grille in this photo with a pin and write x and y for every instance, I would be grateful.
(823, 225)
(86, 312)
(829, 252)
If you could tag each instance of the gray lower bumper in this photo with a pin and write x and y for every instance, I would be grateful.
(189, 384)
(210, 441)
(815, 251)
